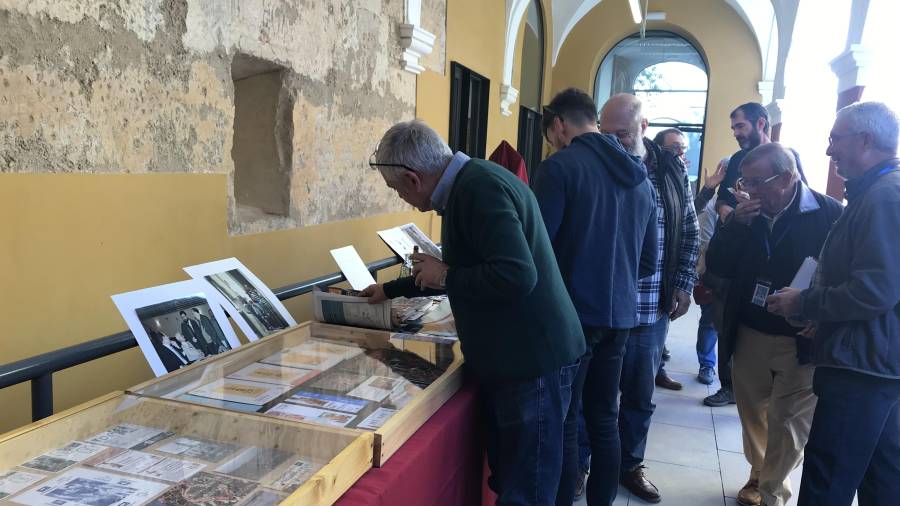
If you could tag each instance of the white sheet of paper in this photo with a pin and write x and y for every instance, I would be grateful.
(402, 239)
(14, 481)
(805, 273)
(353, 267)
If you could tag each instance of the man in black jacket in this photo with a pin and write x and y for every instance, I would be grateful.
(661, 297)
(760, 247)
(854, 446)
(600, 213)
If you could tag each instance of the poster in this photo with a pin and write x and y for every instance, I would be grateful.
(67, 456)
(14, 481)
(255, 309)
(128, 435)
(177, 324)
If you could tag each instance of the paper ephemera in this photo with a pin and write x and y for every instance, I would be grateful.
(312, 415)
(149, 465)
(353, 267)
(56, 460)
(326, 347)
(14, 481)
(330, 402)
(95, 488)
(206, 489)
(127, 435)
(303, 359)
(200, 449)
(235, 390)
(376, 419)
(278, 375)
(402, 239)
(294, 476)
(376, 388)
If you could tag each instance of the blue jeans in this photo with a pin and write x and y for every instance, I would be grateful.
(525, 435)
(706, 337)
(854, 443)
(642, 357)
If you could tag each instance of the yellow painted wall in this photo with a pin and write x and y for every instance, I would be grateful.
(731, 51)
(475, 38)
(69, 241)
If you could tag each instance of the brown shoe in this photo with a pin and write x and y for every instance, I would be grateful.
(638, 484)
(664, 381)
(749, 495)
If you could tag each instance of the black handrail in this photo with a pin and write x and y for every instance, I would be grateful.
(39, 369)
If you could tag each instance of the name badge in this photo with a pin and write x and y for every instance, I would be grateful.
(760, 293)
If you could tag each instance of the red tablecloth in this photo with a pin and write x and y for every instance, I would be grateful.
(442, 464)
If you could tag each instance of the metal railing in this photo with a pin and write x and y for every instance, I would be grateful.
(39, 369)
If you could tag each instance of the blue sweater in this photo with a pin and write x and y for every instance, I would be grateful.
(600, 212)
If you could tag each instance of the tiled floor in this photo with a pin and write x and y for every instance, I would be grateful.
(694, 453)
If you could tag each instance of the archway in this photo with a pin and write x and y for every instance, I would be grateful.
(670, 77)
(531, 88)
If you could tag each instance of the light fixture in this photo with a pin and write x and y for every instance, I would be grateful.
(635, 10)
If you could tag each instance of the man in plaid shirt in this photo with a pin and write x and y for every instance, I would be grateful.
(662, 297)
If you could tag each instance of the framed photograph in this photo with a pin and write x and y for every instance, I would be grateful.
(247, 299)
(177, 324)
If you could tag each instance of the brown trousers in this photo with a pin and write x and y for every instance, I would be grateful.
(775, 402)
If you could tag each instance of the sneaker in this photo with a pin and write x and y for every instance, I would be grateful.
(581, 484)
(721, 398)
(666, 355)
(706, 376)
(638, 484)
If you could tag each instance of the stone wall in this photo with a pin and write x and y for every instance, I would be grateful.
(134, 86)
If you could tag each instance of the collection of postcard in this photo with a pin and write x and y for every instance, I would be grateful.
(322, 382)
(130, 465)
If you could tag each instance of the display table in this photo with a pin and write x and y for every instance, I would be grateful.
(442, 464)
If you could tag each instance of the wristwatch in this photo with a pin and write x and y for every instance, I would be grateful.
(443, 280)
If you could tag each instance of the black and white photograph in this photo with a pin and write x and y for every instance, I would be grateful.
(248, 300)
(177, 324)
(92, 488)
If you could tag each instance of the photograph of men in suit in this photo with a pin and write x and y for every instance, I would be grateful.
(259, 313)
(183, 331)
(211, 333)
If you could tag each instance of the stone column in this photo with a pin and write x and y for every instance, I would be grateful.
(851, 69)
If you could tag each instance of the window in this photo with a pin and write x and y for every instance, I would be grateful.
(469, 93)
(669, 75)
(531, 82)
(263, 132)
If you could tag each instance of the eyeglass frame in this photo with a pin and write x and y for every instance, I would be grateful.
(375, 165)
(741, 183)
(833, 137)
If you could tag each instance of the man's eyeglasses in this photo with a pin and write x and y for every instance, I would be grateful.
(620, 134)
(753, 184)
(836, 137)
(373, 163)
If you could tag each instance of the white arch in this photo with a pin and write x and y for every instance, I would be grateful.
(566, 14)
(515, 11)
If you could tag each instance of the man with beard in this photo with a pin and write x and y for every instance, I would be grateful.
(662, 296)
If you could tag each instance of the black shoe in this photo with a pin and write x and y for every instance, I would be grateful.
(721, 398)
(664, 381)
(665, 354)
(639, 485)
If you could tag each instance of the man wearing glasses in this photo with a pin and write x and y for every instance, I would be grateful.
(854, 304)
(516, 323)
(777, 223)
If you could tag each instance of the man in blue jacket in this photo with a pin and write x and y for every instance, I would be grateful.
(854, 306)
(600, 213)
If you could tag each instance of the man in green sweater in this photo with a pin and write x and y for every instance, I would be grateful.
(519, 331)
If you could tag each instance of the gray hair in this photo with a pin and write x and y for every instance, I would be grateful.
(779, 157)
(876, 119)
(414, 144)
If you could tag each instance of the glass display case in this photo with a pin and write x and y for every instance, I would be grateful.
(366, 381)
(125, 450)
